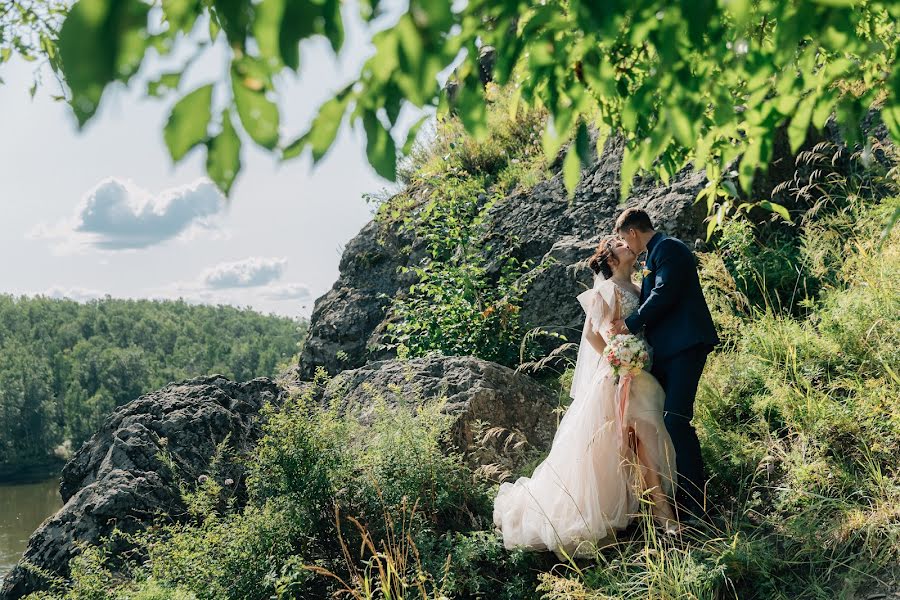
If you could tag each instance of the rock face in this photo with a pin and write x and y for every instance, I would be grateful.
(540, 224)
(118, 479)
(474, 389)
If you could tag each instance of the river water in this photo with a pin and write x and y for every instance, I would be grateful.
(23, 507)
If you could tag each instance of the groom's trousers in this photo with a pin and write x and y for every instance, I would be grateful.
(679, 375)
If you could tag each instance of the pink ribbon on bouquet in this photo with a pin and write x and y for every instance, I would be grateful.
(622, 392)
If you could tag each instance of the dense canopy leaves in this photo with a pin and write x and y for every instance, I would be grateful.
(692, 81)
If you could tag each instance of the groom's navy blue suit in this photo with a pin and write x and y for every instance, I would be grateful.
(679, 328)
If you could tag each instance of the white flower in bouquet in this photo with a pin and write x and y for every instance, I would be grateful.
(626, 353)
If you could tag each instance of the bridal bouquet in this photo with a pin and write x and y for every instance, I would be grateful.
(626, 353)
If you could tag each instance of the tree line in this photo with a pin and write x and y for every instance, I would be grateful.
(65, 365)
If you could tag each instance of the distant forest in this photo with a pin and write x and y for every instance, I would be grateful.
(65, 365)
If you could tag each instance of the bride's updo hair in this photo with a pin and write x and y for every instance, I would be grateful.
(599, 262)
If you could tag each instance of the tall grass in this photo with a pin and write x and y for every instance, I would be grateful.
(799, 420)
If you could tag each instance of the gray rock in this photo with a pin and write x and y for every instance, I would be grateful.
(344, 319)
(117, 479)
(474, 390)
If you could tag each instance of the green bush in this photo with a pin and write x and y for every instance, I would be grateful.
(456, 306)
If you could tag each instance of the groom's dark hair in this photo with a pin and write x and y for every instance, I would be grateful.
(634, 218)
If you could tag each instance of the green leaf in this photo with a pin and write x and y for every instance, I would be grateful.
(800, 123)
(234, 19)
(323, 130)
(891, 117)
(697, 14)
(551, 140)
(258, 114)
(439, 15)
(710, 228)
(824, 109)
(223, 160)
(297, 23)
(740, 10)
(776, 208)
(188, 122)
(630, 164)
(602, 136)
(571, 170)
(295, 148)
(582, 145)
(333, 24)
(181, 14)
(514, 103)
(412, 133)
(266, 30)
(100, 41)
(470, 106)
(680, 126)
(750, 161)
(380, 147)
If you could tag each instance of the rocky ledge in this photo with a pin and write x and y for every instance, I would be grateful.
(118, 479)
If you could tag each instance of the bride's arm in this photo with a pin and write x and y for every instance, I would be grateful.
(598, 313)
(596, 340)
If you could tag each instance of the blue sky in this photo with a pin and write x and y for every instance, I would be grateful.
(104, 211)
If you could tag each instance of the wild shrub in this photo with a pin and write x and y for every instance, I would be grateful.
(463, 301)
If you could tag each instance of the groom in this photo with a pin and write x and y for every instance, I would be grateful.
(679, 328)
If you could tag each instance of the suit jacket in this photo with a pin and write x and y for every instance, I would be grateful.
(673, 311)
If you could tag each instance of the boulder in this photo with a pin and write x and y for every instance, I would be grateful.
(117, 478)
(479, 393)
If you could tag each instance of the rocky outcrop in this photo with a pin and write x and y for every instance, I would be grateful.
(540, 224)
(117, 478)
(475, 391)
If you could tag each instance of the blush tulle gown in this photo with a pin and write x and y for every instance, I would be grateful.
(588, 487)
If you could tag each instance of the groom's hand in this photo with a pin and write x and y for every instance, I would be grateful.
(619, 328)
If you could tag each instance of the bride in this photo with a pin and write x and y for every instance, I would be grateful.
(611, 446)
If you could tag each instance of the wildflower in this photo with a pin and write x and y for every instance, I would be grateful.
(202, 478)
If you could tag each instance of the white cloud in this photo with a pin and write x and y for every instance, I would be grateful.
(287, 291)
(250, 272)
(253, 281)
(118, 215)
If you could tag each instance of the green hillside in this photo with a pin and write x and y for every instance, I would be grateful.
(65, 365)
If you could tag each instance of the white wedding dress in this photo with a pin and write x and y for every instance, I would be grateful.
(588, 486)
